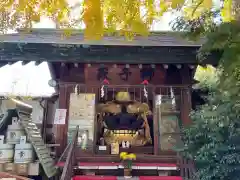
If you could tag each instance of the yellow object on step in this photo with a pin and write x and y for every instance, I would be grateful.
(125, 156)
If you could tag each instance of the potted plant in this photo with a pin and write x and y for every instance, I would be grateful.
(127, 160)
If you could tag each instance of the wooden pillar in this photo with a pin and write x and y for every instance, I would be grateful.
(186, 103)
(44, 122)
(61, 129)
(156, 119)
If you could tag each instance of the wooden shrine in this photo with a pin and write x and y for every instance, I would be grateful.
(133, 93)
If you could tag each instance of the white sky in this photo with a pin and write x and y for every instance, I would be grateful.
(31, 80)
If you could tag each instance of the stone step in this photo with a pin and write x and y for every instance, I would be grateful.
(42, 151)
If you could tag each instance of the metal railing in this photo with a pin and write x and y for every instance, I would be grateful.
(71, 160)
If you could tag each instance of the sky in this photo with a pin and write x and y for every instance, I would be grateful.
(31, 80)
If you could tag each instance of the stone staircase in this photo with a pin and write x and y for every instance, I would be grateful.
(35, 138)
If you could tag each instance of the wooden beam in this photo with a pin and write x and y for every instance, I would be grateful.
(109, 54)
(25, 63)
(3, 64)
(37, 63)
(11, 62)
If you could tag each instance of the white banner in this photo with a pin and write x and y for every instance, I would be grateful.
(60, 116)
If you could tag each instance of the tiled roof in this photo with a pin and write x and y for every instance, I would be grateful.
(57, 37)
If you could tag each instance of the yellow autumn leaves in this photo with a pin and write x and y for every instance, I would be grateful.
(128, 17)
(131, 17)
(28, 11)
(227, 11)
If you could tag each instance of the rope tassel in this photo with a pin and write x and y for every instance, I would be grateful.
(105, 81)
(145, 92)
(172, 97)
(102, 91)
(76, 89)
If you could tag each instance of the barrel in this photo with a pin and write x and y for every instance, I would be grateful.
(6, 153)
(14, 132)
(24, 153)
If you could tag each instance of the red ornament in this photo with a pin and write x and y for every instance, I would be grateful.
(105, 81)
(145, 82)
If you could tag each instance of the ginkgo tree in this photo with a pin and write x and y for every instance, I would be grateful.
(128, 17)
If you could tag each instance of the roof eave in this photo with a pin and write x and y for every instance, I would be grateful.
(55, 36)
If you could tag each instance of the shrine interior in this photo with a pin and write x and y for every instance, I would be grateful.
(126, 99)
